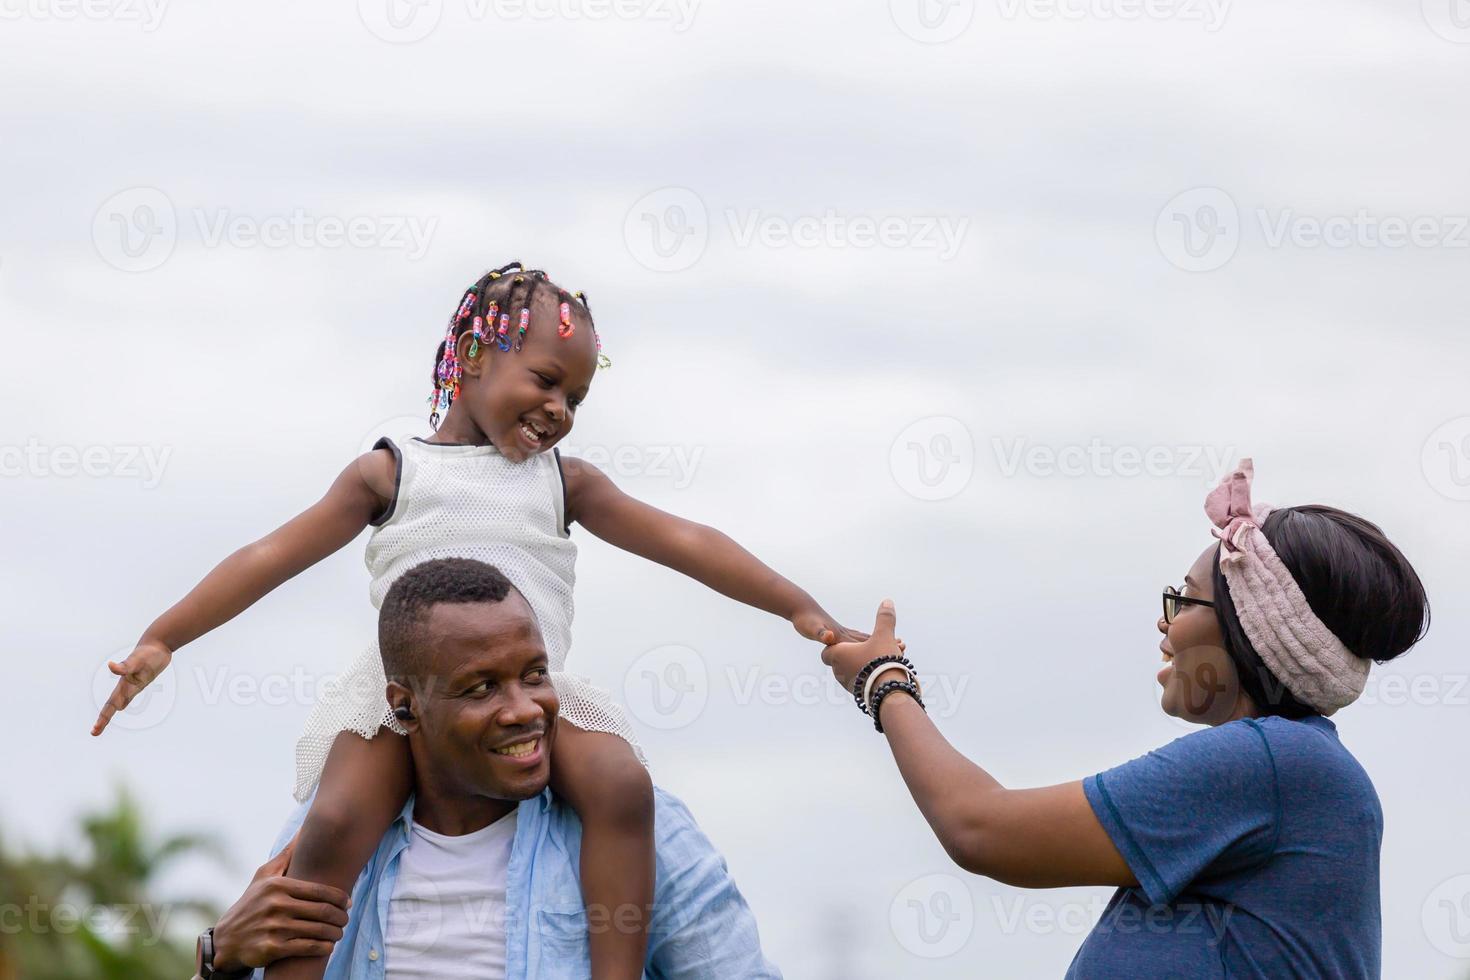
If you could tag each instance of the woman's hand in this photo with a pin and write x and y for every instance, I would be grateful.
(148, 659)
(847, 658)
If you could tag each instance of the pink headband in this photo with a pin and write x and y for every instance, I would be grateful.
(1295, 645)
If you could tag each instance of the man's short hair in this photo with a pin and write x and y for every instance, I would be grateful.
(406, 607)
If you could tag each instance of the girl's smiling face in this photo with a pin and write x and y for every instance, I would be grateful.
(524, 402)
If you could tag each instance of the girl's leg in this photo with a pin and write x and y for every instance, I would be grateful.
(602, 779)
(363, 788)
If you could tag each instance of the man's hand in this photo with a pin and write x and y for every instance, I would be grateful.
(278, 918)
(147, 661)
(847, 658)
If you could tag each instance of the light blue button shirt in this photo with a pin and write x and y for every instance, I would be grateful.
(701, 926)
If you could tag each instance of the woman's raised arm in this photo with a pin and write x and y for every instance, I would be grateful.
(1035, 838)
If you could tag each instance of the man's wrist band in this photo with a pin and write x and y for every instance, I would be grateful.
(888, 688)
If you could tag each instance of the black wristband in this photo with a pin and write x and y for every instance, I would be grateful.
(206, 966)
(887, 688)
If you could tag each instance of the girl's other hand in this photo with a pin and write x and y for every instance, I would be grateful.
(815, 624)
(146, 662)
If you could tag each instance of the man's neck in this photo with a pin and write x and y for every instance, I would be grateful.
(455, 815)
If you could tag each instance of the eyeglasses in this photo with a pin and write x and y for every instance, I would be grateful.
(1173, 599)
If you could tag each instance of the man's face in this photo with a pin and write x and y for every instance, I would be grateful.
(483, 717)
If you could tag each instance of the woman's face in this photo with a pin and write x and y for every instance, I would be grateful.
(1199, 679)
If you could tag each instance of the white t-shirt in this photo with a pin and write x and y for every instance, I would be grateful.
(447, 914)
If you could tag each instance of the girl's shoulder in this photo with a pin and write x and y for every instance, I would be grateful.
(381, 471)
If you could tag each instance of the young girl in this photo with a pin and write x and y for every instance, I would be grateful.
(516, 364)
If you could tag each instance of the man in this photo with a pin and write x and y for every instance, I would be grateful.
(478, 876)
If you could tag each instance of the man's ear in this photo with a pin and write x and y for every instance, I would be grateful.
(400, 700)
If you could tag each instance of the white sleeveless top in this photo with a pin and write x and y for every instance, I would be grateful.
(456, 501)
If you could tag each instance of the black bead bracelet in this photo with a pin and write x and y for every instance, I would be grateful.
(868, 668)
(887, 688)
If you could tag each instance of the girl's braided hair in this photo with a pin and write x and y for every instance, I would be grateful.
(497, 309)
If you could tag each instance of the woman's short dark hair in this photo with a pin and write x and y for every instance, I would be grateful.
(1356, 581)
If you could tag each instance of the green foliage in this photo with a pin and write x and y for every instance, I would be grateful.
(96, 916)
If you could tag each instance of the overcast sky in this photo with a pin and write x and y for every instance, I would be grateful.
(966, 304)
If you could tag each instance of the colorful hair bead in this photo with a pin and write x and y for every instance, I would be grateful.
(467, 304)
(477, 333)
(603, 361)
(521, 328)
(566, 328)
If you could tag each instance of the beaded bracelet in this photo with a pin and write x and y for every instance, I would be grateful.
(888, 688)
(861, 679)
(881, 671)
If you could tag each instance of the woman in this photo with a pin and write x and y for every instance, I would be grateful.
(1246, 849)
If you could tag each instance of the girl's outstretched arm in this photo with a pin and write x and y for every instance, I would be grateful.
(357, 496)
(701, 552)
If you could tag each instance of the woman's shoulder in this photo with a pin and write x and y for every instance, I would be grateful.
(1273, 742)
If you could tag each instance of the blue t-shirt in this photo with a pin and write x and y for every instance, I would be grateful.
(1255, 845)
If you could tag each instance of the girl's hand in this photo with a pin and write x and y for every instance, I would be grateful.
(847, 658)
(146, 662)
(815, 624)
